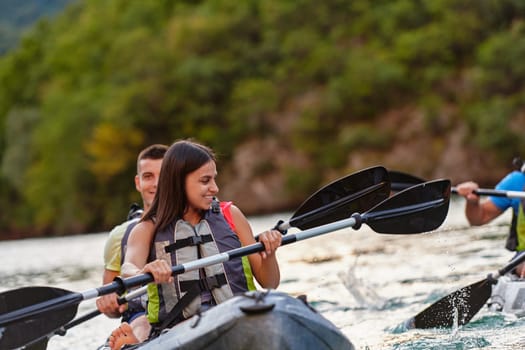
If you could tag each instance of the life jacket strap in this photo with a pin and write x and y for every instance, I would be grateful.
(204, 284)
(187, 242)
(193, 288)
(512, 239)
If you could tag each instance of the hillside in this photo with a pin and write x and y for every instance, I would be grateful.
(430, 88)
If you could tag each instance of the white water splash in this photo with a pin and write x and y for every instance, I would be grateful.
(364, 295)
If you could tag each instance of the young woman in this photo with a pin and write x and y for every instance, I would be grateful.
(185, 223)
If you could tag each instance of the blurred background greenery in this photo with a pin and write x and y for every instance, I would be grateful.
(291, 95)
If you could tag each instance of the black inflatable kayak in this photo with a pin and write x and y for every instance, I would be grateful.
(254, 320)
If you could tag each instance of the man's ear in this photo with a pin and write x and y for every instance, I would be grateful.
(137, 183)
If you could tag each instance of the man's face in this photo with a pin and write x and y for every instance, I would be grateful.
(147, 178)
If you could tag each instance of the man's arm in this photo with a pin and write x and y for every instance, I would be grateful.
(479, 213)
(108, 276)
(107, 304)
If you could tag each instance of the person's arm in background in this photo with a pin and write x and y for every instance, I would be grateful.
(478, 212)
(481, 211)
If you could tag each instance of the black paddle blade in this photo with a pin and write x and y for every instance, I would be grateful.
(456, 309)
(40, 344)
(420, 208)
(400, 181)
(356, 192)
(17, 334)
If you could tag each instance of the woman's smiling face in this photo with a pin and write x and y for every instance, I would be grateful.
(201, 187)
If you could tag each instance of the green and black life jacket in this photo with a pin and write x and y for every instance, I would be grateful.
(520, 227)
(516, 237)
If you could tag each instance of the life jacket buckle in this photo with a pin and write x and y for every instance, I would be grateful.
(196, 240)
(212, 282)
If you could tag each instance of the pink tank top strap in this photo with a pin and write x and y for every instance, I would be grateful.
(225, 207)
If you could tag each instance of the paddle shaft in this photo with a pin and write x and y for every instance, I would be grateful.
(406, 181)
(354, 221)
(78, 321)
(496, 193)
(242, 251)
(510, 266)
(396, 186)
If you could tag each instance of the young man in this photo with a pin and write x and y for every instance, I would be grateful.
(149, 162)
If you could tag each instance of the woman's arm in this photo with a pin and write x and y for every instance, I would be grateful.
(137, 252)
(264, 265)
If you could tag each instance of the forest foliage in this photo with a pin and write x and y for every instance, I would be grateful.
(87, 89)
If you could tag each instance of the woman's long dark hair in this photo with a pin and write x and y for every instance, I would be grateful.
(170, 202)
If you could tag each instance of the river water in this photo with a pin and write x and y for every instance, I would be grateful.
(366, 283)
